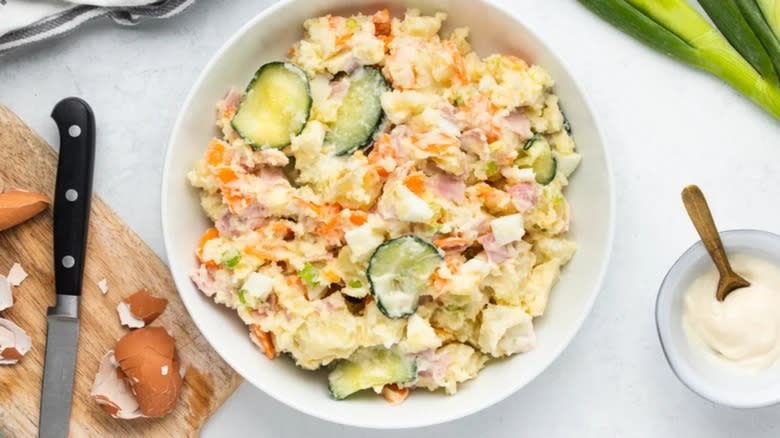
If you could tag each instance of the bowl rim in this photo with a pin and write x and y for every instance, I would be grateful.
(706, 392)
(500, 395)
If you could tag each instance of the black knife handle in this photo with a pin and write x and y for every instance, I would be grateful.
(73, 192)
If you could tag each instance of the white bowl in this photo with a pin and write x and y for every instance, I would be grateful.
(267, 37)
(699, 369)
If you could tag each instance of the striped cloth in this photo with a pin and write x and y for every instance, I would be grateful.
(27, 21)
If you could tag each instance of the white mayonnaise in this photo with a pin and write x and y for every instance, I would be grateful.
(744, 329)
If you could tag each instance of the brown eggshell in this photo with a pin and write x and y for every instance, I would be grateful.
(148, 357)
(146, 306)
(18, 206)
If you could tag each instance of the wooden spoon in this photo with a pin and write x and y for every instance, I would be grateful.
(701, 217)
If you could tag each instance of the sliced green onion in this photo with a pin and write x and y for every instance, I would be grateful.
(354, 284)
(673, 27)
(310, 275)
(491, 169)
(242, 297)
(352, 24)
(231, 258)
(734, 26)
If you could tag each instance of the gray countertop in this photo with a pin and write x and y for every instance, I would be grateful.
(666, 126)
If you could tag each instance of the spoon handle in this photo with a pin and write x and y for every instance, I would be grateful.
(701, 217)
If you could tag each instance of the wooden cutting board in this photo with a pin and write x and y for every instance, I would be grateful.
(118, 255)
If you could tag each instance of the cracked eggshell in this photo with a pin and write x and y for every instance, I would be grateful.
(112, 391)
(143, 354)
(126, 317)
(14, 342)
(16, 275)
(6, 298)
(146, 306)
(103, 286)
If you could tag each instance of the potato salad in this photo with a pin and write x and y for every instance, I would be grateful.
(387, 204)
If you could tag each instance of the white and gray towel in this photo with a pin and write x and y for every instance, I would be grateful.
(27, 21)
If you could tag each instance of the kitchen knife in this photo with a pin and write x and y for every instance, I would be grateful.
(72, 196)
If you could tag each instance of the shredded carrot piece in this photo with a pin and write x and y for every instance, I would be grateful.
(382, 22)
(215, 152)
(457, 61)
(450, 242)
(438, 281)
(266, 341)
(311, 206)
(434, 142)
(394, 394)
(329, 226)
(280, 227)
(271, 252)
(294, 280)
(342, 39)
(211, 233)
(453, 264)
(226, 175)
(358, 217)
(415, 183)
(381, 171)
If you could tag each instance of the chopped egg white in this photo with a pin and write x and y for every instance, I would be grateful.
(257, 287)
(410, 207)
(419, 336)
(508, 229)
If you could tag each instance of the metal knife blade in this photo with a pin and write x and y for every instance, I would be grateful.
(62, 338)
(72, 197)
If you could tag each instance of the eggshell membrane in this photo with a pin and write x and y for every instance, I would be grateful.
(14, 342)
(142, 354)
(146, 306)
(16, 275)
(6, 298)
(112, 391)
(126, 316)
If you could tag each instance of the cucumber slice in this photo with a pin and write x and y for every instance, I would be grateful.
(360, 115)
(275, 106)
(545, 166)
(539, 155)
(398, 272)
(370, 367)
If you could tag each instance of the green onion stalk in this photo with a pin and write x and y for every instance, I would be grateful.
(745, 53)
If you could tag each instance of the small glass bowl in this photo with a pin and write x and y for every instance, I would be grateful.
(701, 370)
